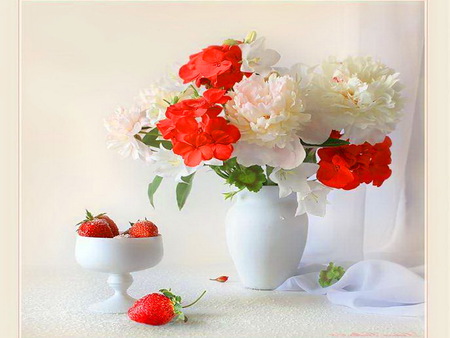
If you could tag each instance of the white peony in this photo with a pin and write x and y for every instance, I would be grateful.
(256, 58)
(168, 164)
(122, 127)
(270, 116)
(154, 99)
(289, 157)
(359, 95)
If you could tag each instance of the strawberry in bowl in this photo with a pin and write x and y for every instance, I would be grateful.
(98, 226)
(98, 248)
(143, 228)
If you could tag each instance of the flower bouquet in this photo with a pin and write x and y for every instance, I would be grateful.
(281, 138)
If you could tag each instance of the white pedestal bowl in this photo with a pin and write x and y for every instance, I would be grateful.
(118, 257)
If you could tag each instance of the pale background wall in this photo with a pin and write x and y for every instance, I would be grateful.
(81, 60)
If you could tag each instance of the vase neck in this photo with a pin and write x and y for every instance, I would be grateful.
(266, 192)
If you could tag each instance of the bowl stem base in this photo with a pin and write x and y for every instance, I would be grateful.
(120, 302)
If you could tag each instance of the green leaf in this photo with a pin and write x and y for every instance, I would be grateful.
(230, 164)
(251, 178)
(310, 155)
(151, 139)
(330, 275)
(166, 144)
(331, 142)
(152, 187)
(183, 190)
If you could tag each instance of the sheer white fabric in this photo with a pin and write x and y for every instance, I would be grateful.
(371, 286)
(388, 222)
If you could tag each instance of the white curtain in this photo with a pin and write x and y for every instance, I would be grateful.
(386, 222)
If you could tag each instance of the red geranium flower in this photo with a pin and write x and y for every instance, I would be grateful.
(196, 131)
(202, 142)
(346, 167)
(214, 66)
(194, 148)
(223, 135)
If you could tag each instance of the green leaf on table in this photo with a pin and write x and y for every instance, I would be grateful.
(152, 187)
(183, 190)
(330, 275)
(331, 142)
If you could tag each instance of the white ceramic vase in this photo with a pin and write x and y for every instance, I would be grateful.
(265, 239)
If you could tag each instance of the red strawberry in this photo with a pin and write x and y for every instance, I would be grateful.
(103, 216)
(159, 308)
(95, 228)
(111, 223)
(143, 228)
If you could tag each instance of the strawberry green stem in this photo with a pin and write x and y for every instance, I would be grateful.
(195, 300)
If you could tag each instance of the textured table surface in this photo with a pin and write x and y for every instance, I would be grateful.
(54, 305)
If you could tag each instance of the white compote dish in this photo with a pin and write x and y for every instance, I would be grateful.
(118, 257)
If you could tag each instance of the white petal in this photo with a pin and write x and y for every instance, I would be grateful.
(316, 202)
(300, 206)
(288, 157)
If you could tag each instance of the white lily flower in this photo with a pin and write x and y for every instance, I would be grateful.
(294, 180)
(314, 201)
(168, 164)
(256, 58)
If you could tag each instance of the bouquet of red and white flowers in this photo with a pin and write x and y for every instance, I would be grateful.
(305, 129)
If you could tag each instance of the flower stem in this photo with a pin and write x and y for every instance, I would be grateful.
(195, 300)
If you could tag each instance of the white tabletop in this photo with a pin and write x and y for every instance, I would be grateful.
(54, 305)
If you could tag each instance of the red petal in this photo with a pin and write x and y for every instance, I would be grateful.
(193, 158)
(221, 279)
(212, 54)
(207, 152)
(182, 148)
(223, 152)
(187, 125)
(188, 73)
(334, 176)
(215, 95)
(166, 127)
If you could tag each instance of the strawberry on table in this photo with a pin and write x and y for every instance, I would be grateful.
(159, 308)
(143, 228)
